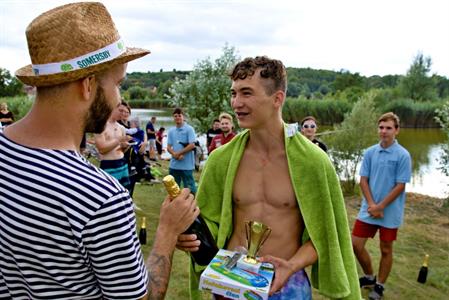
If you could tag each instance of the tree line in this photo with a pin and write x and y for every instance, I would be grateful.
(204, 91)
(417, 84)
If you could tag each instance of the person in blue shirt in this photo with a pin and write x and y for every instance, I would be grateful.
(386, 168)
(180, 144)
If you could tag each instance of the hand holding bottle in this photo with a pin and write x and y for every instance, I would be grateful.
(198, 229)
(178, 214)
(188, 242)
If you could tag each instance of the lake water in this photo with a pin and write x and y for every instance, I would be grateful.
(424, 145)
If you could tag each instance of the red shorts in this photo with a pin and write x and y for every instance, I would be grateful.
(365, 230)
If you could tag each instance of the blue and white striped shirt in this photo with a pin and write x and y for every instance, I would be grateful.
(67, 229)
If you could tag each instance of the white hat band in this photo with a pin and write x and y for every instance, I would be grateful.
(96, 57)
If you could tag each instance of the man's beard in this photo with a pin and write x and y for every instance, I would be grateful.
(98, 114)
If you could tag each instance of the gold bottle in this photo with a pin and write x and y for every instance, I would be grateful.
(143, 232)
(208, 247)
(422, 276)
(171, 186)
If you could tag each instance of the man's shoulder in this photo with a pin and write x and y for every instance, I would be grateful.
(188, 127)
(223, 152)
(373, 148)
(401, 150)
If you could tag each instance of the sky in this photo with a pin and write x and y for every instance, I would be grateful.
(378, 37)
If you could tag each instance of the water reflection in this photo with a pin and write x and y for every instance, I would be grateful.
(425, 147)
(419, 143)
(163, 116)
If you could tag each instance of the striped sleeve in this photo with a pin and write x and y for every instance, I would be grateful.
(4, 294)
(114, 251)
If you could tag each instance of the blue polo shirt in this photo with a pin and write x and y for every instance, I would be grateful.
(385, 167)
(176, 138)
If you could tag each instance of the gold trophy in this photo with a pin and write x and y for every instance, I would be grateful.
(256, 235)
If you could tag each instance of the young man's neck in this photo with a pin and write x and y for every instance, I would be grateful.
(267, 139)
(387, 144)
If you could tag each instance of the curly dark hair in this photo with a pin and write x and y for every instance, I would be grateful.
(272, 70)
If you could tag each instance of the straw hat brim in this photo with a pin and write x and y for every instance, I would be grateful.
(27, 76)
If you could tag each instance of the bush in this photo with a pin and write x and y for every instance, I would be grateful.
(350, 138)
(137, 92)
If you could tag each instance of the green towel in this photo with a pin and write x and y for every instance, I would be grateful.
(320, 200)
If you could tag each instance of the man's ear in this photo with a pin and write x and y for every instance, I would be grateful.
(279, 98)
(88, 87)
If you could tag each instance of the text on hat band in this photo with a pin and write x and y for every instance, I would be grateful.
(102, 55)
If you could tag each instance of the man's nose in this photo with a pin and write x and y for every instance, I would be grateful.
(236, 101)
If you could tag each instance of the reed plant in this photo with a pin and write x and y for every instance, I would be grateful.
(416, 114)
(327, 111)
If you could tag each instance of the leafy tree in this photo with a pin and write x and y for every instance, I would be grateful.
(350, 138)
(324, 89)
(391, 80)
(164, 88)
(442, 86)
(293, 89)
(346, 79)
(9, 85)
(205, 92)
(137, 92)
(417, 84)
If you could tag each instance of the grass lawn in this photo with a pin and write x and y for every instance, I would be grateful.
(426, 230)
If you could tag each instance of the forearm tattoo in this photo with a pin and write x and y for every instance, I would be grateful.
(159, 267)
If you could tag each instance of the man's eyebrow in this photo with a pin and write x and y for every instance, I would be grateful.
(242, 89)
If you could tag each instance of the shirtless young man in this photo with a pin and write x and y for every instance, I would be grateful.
(112, 144)
(272, 175)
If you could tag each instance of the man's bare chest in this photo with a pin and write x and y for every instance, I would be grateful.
(264, 181)
(113, 131)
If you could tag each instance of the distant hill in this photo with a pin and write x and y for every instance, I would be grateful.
(305, 81)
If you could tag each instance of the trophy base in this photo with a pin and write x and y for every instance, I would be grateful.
(251, 266)
(221, 278)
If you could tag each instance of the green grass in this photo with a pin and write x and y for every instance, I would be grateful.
(426, 230)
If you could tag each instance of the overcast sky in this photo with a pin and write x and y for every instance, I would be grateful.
(370, 37)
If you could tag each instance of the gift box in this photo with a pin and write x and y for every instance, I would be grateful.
(223, 278)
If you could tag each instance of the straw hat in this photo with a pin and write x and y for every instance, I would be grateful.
(71, 42)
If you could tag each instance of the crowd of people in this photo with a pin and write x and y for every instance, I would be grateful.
(68, 229)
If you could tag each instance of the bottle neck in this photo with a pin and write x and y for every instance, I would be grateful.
(426, 261)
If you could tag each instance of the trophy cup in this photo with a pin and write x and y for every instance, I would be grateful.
(256, 235)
